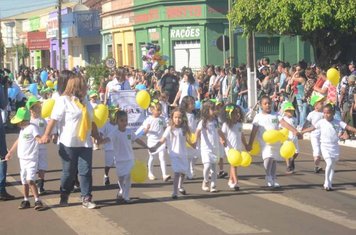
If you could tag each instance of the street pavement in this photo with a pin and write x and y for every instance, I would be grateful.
(300, 206)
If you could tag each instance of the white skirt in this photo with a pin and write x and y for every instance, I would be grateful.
(179, 164)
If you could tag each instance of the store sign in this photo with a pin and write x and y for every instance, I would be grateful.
(183, 33)
(52, 28)
(35, 23)
(37, 41)
(149, 16)
(107, 22)
(183, 12)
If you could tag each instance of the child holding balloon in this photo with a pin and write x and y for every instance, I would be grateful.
(154, 126)
(264, 121)
(108, 147)
(232, 129)
(208, 134)
(176, 136)
(121, 139)
(188, 106)
(288, 116)
(330, 131)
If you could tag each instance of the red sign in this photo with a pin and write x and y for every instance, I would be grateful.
(37, 41)
(178, 12)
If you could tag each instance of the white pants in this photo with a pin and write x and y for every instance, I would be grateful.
(315, 143)
(125, 185)
(210, 167)
(329, 172)
(162, 162)
(270, 165)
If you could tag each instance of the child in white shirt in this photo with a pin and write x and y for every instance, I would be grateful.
(27, 152)
(264, 121)
(330, 131)
(208, 134)
(232, 129)
(312, 118)
(105, 131)
(288, 116)
(175, 136)
(122, 139)
(188, 106)
(154, 126)
(163, 100)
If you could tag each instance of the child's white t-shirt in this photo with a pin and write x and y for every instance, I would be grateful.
(192, 123)
(41, 125)
(293, 122)
(105, 131)
(175, 142)
(155, 132)
(265, 122)
(233, 136)
(27, 147)
(313, 117)
(209, 140)
(329, 131)
(122, 144)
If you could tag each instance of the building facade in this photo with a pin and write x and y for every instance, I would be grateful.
(187, 31)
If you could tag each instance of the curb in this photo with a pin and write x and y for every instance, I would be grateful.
(346, 143)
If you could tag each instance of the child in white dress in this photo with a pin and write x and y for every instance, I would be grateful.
(175, 136)
(208, 134)
(264, 121)
(232, 129)
(330, 131)
(188, 106)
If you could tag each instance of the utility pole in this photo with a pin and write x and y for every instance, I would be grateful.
(231, 37)
(60, 34)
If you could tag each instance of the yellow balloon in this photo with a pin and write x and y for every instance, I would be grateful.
(333, 76)
(287, 149)
(246, 159)
(143, 99)
(256, 148)
(47, 108)
(49, 83)
(101, 114)
(234, 157)
(139, 172)
(55, 83)
(192, 138)
(271, 136)
(285, 133)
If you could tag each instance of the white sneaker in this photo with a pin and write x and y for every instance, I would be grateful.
(213, 189)
(269, 181)
(205, 186)
(276, 185)
(166, 178)
(231, 184)
(88, 203)
(151, 177)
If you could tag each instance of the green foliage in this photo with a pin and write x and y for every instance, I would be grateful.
(2, 50)
(329, 25)
(97, 71)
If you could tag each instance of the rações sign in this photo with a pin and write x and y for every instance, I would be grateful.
(183, 33)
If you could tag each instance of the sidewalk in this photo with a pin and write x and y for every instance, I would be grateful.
(346, 143)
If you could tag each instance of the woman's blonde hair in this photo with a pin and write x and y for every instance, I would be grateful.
(76, 86)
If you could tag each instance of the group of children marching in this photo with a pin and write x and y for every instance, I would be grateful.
(186, 138)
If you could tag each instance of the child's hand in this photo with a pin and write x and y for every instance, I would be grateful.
(8, 156)
(54, 139)
(299, 135)
(248, 147)
(152, 149)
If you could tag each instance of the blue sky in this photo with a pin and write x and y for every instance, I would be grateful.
(14, 7)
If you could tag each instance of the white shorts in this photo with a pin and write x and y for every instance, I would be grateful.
(28, 170)
(315, 142)
(109, 158)
(42, 159)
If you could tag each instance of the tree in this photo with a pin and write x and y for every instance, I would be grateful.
(329, 25)
(2, 50)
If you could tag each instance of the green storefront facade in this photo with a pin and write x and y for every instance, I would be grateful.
(187, 32)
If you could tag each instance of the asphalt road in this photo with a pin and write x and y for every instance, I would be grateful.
(300, 206)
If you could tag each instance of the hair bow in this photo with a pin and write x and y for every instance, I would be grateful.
(229, 109)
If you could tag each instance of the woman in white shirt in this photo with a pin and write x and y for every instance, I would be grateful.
(74, 116)
(187, 87)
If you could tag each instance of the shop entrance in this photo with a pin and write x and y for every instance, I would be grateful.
(187, 54)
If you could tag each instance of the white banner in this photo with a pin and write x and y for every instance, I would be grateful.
(126, 100)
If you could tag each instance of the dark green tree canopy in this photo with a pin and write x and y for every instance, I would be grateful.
(329, 25)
